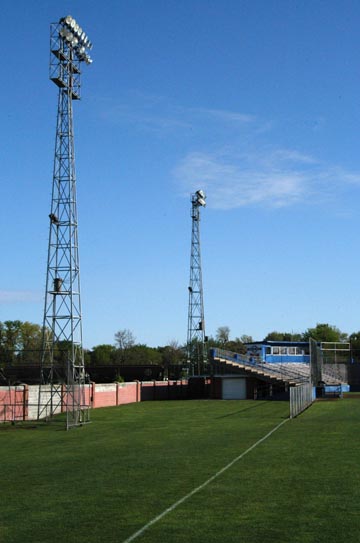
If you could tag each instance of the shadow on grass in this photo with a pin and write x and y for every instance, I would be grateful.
(243, 410)
(8, 426)
(56, 423)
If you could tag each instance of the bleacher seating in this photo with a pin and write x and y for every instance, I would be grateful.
(289, 373)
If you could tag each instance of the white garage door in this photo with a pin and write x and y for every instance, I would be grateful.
(234, 389)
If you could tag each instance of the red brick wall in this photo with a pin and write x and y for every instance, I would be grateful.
(14, 404)
(105, 395)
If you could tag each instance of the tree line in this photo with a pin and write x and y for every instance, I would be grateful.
(20, 344)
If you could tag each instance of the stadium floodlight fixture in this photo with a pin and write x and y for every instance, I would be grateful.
(69, 36)
(88, 43)
(74, 37)
(200, 198)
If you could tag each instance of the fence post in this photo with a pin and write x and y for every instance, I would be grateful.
(25, 401)
(64, 399)
(93, 394)
(138, 391)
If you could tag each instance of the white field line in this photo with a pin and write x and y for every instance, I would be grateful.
(197, 489)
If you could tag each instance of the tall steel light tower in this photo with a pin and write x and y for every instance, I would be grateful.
(62, 363)
(196, 339)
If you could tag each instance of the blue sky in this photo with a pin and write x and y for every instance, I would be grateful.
(256, 102)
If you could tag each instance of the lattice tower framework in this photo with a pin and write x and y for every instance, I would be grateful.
(62, 380)
(196, 338)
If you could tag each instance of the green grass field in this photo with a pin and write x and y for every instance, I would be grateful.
(104, 482)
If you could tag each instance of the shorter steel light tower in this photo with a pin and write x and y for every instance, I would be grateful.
(196, 339)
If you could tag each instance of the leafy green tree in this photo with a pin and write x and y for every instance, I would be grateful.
(355, 340)
(31, 343)
(355, 346)
(325, 332)
(274, 336)
(62, 350)
(87, 357)
(236, 346)
(245, 339)
(171, 355)
(12, 340)
(142, 355)
(283, 336)
(103, 355)
(213, 343)
(20, 342)
(2, 344)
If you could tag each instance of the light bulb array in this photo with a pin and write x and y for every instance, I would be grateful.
(74, 35)
(200, 198)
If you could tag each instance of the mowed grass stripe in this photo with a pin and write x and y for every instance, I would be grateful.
(300, 486)
(203, 485)
(106, 480)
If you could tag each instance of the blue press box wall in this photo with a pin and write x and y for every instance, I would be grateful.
(335, 388)
(274, 358)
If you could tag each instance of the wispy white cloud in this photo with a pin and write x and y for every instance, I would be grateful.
(270, 178)
(145, 118)
(19, 296)
(223, 115)
(233, 155)
(157, 114)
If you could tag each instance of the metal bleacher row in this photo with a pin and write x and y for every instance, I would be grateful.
(290, 373)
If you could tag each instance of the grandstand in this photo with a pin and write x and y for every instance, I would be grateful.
(327, 377)
(285, 373)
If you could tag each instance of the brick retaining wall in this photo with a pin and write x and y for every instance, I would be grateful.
(14, 403)
(21, 402)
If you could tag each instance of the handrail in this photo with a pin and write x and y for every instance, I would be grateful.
(249, 361)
